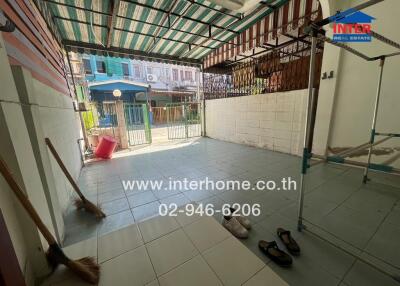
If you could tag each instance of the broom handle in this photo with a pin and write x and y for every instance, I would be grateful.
(25, 202)
(64, 169)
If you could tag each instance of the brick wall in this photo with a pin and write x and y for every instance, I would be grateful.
(273, 121)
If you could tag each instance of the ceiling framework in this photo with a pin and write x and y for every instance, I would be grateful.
(285, 23)
(179, 30)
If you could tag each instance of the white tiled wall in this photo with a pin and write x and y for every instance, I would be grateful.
(273, 121)
(61, 124)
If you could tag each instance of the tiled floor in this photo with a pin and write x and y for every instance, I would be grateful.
(169, 251)
(337, 206)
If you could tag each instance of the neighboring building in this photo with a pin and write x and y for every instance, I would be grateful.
(167, 82)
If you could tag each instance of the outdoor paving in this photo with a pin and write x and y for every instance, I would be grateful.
(360, 218)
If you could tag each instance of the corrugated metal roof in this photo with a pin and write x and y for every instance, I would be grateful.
(178, 29)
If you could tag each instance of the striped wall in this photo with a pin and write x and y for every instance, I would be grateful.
(289, 17)
(32, 45)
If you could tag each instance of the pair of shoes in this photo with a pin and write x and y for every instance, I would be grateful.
(288, 241)
(277, 255)
(237, 225)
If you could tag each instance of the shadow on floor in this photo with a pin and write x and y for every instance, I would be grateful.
(364, 217)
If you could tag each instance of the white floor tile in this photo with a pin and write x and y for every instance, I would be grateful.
(141, 199)
(206, 232)
(266, 277)
(358, 219)
(146, 211)
(233, 262)
(129, 269)
(153, 283)
(170, 251)
(82, 249)
(362, 274)
(156, 227)
(194, 272)
(118, 242)
(185, 219)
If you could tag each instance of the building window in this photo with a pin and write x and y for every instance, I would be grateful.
(157, 71)
(182, 78)
(76, 68)
(188, 75)
(125, 69)
(87, 66)
(175, 75)
(167, 74)
(136, 71)
(101, 66)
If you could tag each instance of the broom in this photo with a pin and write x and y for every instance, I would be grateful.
(81, 202)
(86, 268)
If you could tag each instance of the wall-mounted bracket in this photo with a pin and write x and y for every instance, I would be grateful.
(8, 27)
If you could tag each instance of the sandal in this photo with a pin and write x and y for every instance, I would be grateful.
(274, 253)
(289, 242)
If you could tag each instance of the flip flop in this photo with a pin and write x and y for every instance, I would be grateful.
(274, 253)
(288, 240)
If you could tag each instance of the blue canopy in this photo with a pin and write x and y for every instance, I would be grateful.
(118, 84)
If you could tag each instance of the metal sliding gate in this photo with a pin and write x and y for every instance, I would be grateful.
(100, 119)
(137, 123)
(183, 120)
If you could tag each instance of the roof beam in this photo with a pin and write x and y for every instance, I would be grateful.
(122, 17)
(223, 12)
(271, 48)
(176, 15)
(131, 53)
(259, 8)
(268, 4)
(203, 30)
(127, 31)
(114, 6)
(167, 18)
(263, 14)
(77, 7)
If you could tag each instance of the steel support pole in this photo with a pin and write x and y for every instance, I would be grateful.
(373, 133)
(307, 139)
(204, 133)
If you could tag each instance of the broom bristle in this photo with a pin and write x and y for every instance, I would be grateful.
(86, 268)
(89, 207)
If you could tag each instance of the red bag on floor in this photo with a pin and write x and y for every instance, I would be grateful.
(106, 147)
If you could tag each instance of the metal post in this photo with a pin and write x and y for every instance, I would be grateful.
(372, 139)
(204, 133)
(306, 152)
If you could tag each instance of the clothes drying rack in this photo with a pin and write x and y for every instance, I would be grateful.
(317, 33)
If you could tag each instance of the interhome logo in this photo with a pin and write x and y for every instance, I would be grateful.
(352, 26)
